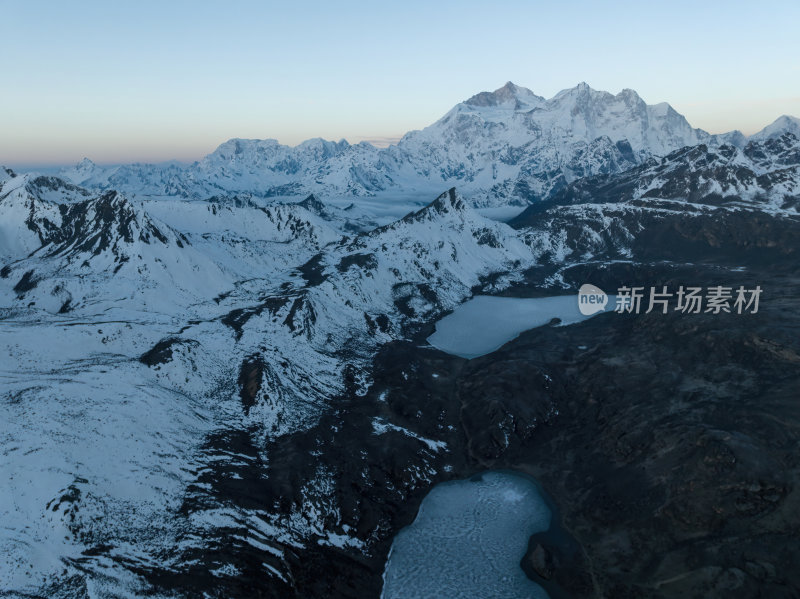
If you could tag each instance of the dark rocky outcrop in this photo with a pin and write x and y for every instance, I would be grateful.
(162, 352)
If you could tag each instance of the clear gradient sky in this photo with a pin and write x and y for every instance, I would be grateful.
(171, 79)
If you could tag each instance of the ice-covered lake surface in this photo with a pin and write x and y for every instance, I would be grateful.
(486, 323)
(467, 541)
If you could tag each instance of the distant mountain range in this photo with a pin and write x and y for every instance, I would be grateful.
(509, 146)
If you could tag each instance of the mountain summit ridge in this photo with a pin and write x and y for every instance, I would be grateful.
(509, 146)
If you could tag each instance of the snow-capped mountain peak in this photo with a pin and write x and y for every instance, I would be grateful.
(447, 204)
(6, 173)
(84, 171)
(510, 95)
(312, 204)
(581, 90)
(781, 125)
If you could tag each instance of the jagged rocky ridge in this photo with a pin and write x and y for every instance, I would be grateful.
(673, 198)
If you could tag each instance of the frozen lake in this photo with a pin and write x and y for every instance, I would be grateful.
(485, 323)
(467, 541)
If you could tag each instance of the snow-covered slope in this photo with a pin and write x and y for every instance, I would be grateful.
(314, 165)
(509, 146)
(360, 291)
(66, 253)
(127, 326)
(781, 125)
(172, 178)
(263, 168)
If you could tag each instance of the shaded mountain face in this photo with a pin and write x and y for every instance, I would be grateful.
(763, 176)
(504, 147)
(720, 205)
